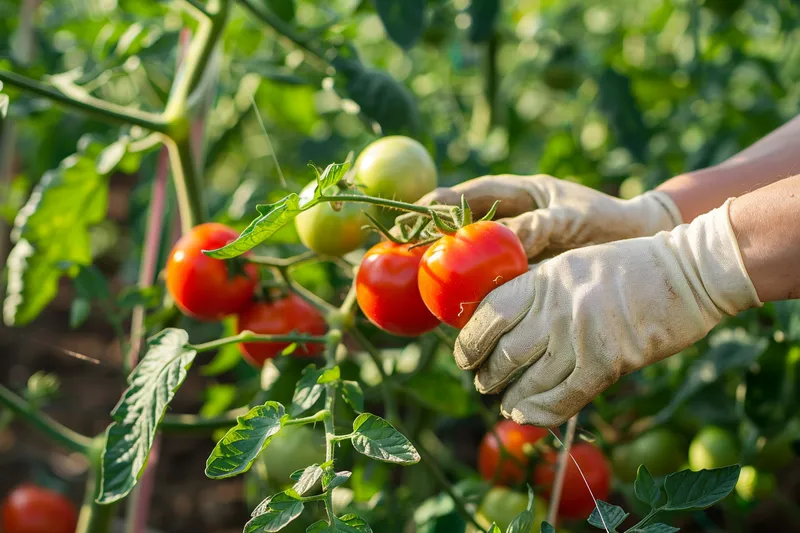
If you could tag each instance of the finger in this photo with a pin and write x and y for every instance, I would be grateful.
(497, 314)
(537, 230)
(515, 352)
(441, 195)
(546, 373)
(482, 193)
(557, 405)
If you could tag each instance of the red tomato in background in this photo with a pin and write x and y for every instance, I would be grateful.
(576, 500)
(201, 286)
(387, 291)
(459, 270)
(32, 509)
(514, 437)
(290, 314)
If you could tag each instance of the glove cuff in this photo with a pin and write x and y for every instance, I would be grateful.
(662, 209)
(718, 260)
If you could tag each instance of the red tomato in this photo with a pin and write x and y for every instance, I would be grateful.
(32, 509)
(459, 270)
(280, 317)
(203, 287)
(514, 437)
(576, 500)
(387, 291)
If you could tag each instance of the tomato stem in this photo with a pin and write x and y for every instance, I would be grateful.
(59, 433)
(304, 293)
(279, 262)
(561, 471)
(383, 202)
(94, 517)
(187, 188)
(249, 336)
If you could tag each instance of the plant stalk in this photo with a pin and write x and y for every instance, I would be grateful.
(94, 517)
(188, 190)
(561, 471)
(249, 336)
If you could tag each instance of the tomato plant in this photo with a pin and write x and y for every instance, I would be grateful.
(459, 270)
(203, 287)
(581, 486)
(396, 167)
(282, 315)
(32, 509)
(387, 291)
(506, 453)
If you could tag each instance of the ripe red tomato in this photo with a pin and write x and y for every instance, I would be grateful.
(576, 500)
(201, 286)
(280, 317)
(387, 291)
(514, 437)
(32, 509)
(459, 270)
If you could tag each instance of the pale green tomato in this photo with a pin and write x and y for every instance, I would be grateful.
(755, 485)
(327, 231)
(501, 505)
(293, 448)
(396, 167)
(713, 447)
(661, 450)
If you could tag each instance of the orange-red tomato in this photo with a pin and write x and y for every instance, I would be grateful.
(459, 270)
(514, 437)
(32, 509)
(387, 291)
(576, 500)
(201, 286)
(290, 314)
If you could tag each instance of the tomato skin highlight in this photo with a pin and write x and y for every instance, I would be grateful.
(396, 167)
(458, 271)
(32, 509)
(387, 289)
(290, 314)
(514, 437)
(201, 286)
(576, 500)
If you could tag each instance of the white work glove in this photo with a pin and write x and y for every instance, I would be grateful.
(550, 215)
(570, 327)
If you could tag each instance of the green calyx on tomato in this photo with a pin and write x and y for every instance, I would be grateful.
(33, 509)
(280, 316)
(331, 228)
(396, 167)
(662, 451)
(203, 287)
(387, 290)
(713, 447)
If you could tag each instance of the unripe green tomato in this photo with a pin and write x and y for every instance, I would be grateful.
(501, 505)
(713, 447)
(755, 485)
(327, 231)
(777, 452)
(291, 449)
(396, 167)
(660, 450)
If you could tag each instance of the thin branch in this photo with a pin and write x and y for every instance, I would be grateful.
(197, 8)
(249, 336)
(89, 105)
(61, 434)
(561, 471)
(279, 262)
(304, 293)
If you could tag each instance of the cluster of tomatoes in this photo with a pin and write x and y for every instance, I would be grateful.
(512, 455)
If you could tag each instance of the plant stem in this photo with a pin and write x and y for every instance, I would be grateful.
(561, 471)
(197, 8)
(320, 416)
(94, 107)
(644, 521)
(189, 191)
(304, 293)
(59, 433)
(94, 517)
(279, 262)
(383, 202)
(249, 336)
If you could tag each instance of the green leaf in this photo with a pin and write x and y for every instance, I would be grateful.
(310, 477)
(275, 216)
(332, 479)
(349, 523)
(329, 375)
(376, 438)
(285, 9)
(382, 98)
(404, 20)
(273, 514)
(693, 491)
(152, 385)
(547, 528)
(79, 312)
(706, 370)
(522, 523)
(307, 391)
(90, 284)
(484, 16)
(494, 529)
(655, 528)
(645, 487)
(443, 392)
(241, 445)
(607, 516)
(51, 232)
(353, 395)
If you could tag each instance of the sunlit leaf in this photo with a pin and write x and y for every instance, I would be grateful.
(152, 385)
(308, 478)
(273, 514)
(688, 491)
(607, 516)
(307, 391)
(353, 395)
(376, 438)
(645, 487)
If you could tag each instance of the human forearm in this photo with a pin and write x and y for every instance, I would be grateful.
(771, 159)
(767, 226)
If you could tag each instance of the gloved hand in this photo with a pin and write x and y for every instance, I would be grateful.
(570, 327)
(550, 215)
